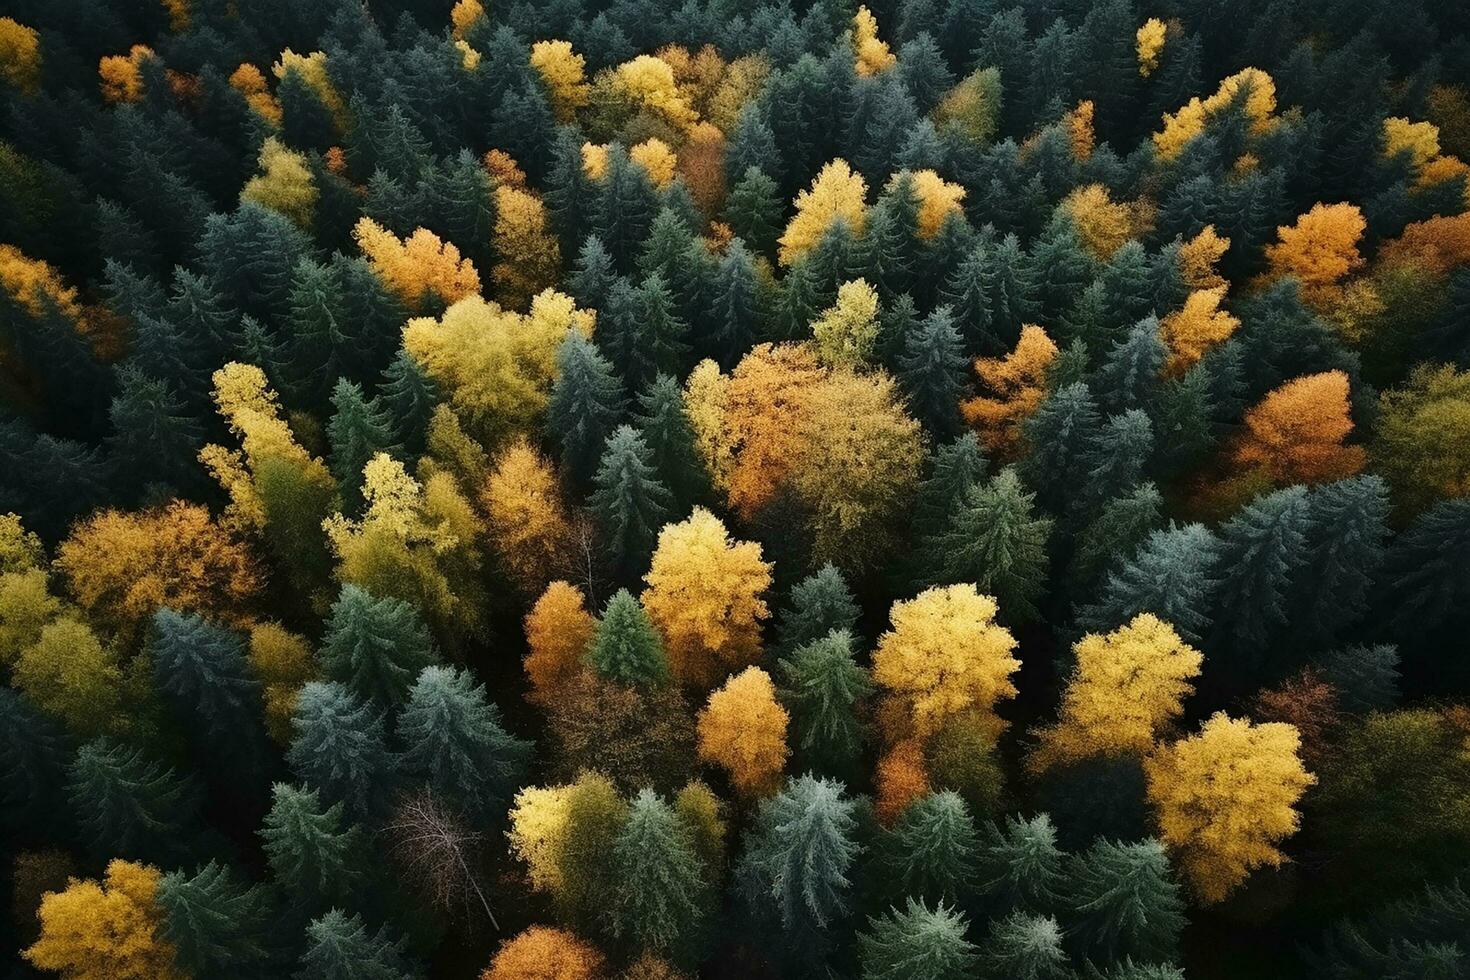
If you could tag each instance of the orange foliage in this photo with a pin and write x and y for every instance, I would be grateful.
(122, 76)
(1196, 328)
(1435, 245)
(504, 169)
(1319, 250)
(541, 953)
(250, 82)
(528, 523)
(702, 165)
(416, 265)
(1296, 431)
(902, 778)
(30, 281)
(20, 55)
(766, 401)
(743, 730)
(1017, 383)
(558, 630)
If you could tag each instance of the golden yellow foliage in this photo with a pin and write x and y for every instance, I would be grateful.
(528, 522)
(1199, 256)
(418, 264)
(656, 159)
(541, 953)
(285, 183)
(945, 654)
(496, 367)
(740, 84)
(973, 106)
(701, 163)
(1420, 140)
(1189, 121)
(178, 15)
(565, 74)
(742, 729)
(108, 930)
(503, 169)
(837, 193)
(538, 824)
(1319, 250)
(20, 55)
(1296, 431)
(462, 17)
(529, 257)
(648, 82)
(1150, 44)
(26, 606)
(469, 58)
(1017, 385)
(1125, 687)
(902, 778)
(1102, 224)
(30, 282)
(1435, 245)
(594, 160)
(558, 631)
(871, 55)
(71, 676)
(1080, 132)
(845, 332)
(250, 82)
(938, 199)
(704, 594)
(1225, 797)
(707, 404)
(121, 566)
(283, 662)
(1195, 328)
(763, 404)
(313, 71)
(122, 75)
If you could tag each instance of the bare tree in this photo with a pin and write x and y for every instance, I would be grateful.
(438, 853)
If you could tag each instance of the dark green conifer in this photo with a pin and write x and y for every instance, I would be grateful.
(630, 502)
(627, 648)
(376, 647)
(824, 689)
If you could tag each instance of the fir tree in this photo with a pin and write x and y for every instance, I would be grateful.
(932, 370)
(1172, 575)
(1126, 901)
(130, 806)
(1428, 583)
(1115, 461)
(996, 541)
(316, 857)
(823, 688)
(1366, 678)
(753, 210)
(358, 431)
(408, 396)
(1020, 866)
(623, 209)
(154, 433)
(1130, 370)
(752, 147)
(1347, 544)
(933, 850)
(664, 426)
(918, 943)
(1061, 432)
(32, 767)
(661, 899)
(594, 275)
(627, 648)
(819, 604)
(219, 925)
(376, 647)
(1261, 549)
(630, 502)
(662, 333)
(340, 749)
(339, 947)
(586, 404)
(1023, 946)
(736, 313)
(958, 466)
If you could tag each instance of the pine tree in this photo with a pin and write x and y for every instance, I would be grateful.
(752, 146)
(623, 209)
(1020, 866)
(586, 404)
(824, 690)
(996, 541)
(1126, 901)
(316, 857)
(130, 806)
(819, 604)
(1172, 575)
(736, 305)
(1366, 678)
(1063, 268)
(1130, 371)
(631, 504)
(376, 647)
(358, 431)
(1116, 460)
(340, 749)
(201, 672)
(1347, 544)
(1428, 583)
(408, 395)
(753, 209)
(154, 433)
(918, 943)
(32, 768)
(1261, 549)
(594, 275)
(219, 925)
(661, 900)
(1060, 432)
(662, 333)
(666, 430)
(958, 466)
(932, 371)
(932, 852)
(965, 294)
(627, 648)
(801, 298)
(1023, 946)
(339, 947)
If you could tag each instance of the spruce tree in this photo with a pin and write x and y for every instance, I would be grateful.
(1347, 544)
(1063, 268)
(1126, 901)
(626, 647)
(1428, 582)
(1020, 866)
(662, 332)
(965, 294)
(339, 947)
(665, 429)
(622, 209)
(129, 806)
(358, 431)
(1172, 575)
(630, 502)
(1060, 432)
(1023, 946)
(736, 305)
(1130, 371)
(932, 371)
(1366, 678)
(408, 395)
(1261, 549)
(316, 329)
(316, 856)
(340, 749)
(933, 850)
(753, 210)
(819, 604)
(455, 743)
(586, 404)
(219, 925)
(917, 943)
(593, 275)
(823, 688)
(376, 647)
(155, 436)
(958, 466)
(752, 147)
(997, 541)
(32, 768)
(661, 900)
(1116, 460)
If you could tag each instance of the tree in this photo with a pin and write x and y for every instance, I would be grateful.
(73, 678)
(563, 72)
(1172, 575)
(340, 749)
(1224, 797)
(742, 729)
(638, 736)
(107, 930)
(918, 942)
(1018, 385)
(661, 902)
(529, 254)
(932, 850)
(996, 541)
(1196, 327)
(439, 855)
(417, 267)
(1346, 550)
(315, 854)
(824, 690)
(1125, 687)
(663, 423)
(339, 947)
(1127, 901)
(837, 194)
(456, 744)
(818, 605)
(558, 632)
(1261, 549)
(1319, 250)
(944, 654)
(1295, 433)
(215, 922)
(586, 403)
(626, 648)
(1024, 947)
(32, 766)
(1020, 866)
(543, 952)
(358, 431)
(630, 502)
(20, 55)
(753, 208)
(375, 647)
(972, 107)
(130, 805)
(284, 184)
(1420, 445)
(844, 334)
(704, 594)
(931, 369)
(522, 503)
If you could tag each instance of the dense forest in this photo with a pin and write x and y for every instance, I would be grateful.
(641, 490)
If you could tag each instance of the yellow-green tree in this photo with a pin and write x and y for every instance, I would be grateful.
(1423, 443)
(283, 662)
(284, 184)
(528, 258)
(1225, 797)
(705, 595)
(846, 331)
(944, 654)
(71, 676)
(838, 193)
(1125, 687)
(1189, 121)
(1150, 44)
(107, 930)
(742, 729)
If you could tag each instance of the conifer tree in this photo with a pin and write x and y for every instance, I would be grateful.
(1021, 867)
(736, 304)
(586, 404)
(455, 743)
(661, 901)
(1117, 458)
(1023, 946)
(663, 423)
(753, 207)
(375, 647)
(1131, 368)
(1126, 901)
(1060, 432)
(32, 766)
(627, 648)
(131, 806)
(824, 689)
(1261, 549)
(154, 429)
(919, 943)
(958, 466)
(630, 502)
(932, 371)
(819, 604)
(1346, 544)
(1172, 575)
(218, 924)
(623, 208)
(996, 541)
(932, 852)
(315, 854)
(339, 947)
(1427, 583)
(340, 749)
(358, 431)
(593, 276)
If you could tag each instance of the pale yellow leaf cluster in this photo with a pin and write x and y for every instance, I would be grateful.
(412, 267)
(594, 160)
(1016, 385)
(1189, 121)
(20, 550)
(284, 184)
(938, 198)
(1225, 797)
(1419, 139)
(538, 825)
(870, 55)
(565, 74)
(1080, 131)
(1149, 44)
(845, 332)
(742, 729)
(945, 654)
(1125, 687)
(283, 662)
(107, 930)
(26, 606)
(656, 159)
(649, 83)
(705, 594)
(837, 193)
(69, 674)
(973, 106)
(1199, 325)
(707, 405)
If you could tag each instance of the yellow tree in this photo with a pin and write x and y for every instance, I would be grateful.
(1295, 433)
(1189, 121)
(70, 675)
(1102, 224)
(528, 258)
(1319, 250)
(656, 159)
(1016, 384)
(1125, 686)
(122, 74)
(648, 82)
(846, 331)
(285, 183)
(20, 550)
(283, 662)
(1225, 797)
(558, 631)
(565, 74)
(944, 654)
(416, 265)
(250, 82)
(1196, 327)
(107, 930)
(32, 281)
(1080, 131)
(527, 521)
(538, 825)
(313, 71)
(705, 595)
(541, 953)
(870, 55)
(742, 729)
(1150, 44)
(1199, 257)
(462, 17)
(1420, 140)
(837, 193)
(26, 606)
(20, 55)
(938, 199)
(594, 160)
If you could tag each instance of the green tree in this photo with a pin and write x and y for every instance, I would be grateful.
(753, 209)
(1346, 547)
(996, 541)
(316, 857)
(824, 690)
(932, 371)
(630, 502)
(1060, 432)
(736, 298)
(1023, 946)
(219, 925)
(819, 604)
(32, 767)
(1126, 901)
(664, 425)
(1115, 461)
(1172, 575)
(917, 943)
(408, 396)
(957, 466)
(339, 947)
(360, 429)
(622, 209)
(627, 648)
(1130, 371)
(130, 806)
(376, 647)
(340, 749)
(1428, 583)
(662, 900)
(586, 404)
(1261, 549)
(1021, 868)
(933, 850)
